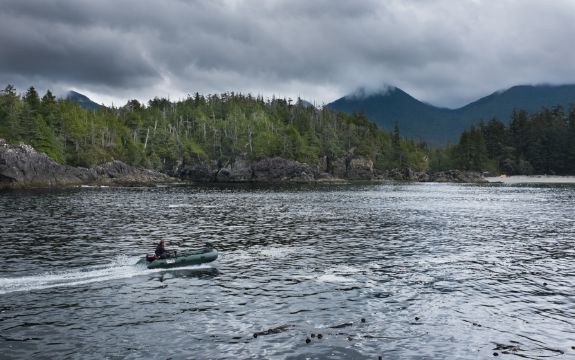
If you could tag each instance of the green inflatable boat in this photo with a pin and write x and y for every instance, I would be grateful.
(176, 259)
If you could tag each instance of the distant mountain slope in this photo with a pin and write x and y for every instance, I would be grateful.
(83, 100)
(394, 106)
(525, 97)
(439, 126)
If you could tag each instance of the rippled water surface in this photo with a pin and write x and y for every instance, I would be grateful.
(422, 271)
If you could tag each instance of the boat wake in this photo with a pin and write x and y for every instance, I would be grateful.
(122, 267)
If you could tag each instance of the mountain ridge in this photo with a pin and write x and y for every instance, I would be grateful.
(85, 102)
(439, 126)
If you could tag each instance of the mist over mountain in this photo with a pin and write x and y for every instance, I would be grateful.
(439, 126)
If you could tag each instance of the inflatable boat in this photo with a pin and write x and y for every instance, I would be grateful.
(175, 258)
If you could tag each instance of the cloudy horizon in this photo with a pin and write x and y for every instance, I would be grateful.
(446, 53)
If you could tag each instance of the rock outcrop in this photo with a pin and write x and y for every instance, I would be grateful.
(265, 170)
(23, 167)
(405, 174)
(360, 168)
(457, 176)
(238, 171)
(278, 169)
(119, 173)
(348, 167)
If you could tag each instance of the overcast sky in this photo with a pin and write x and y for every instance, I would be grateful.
(445, 52)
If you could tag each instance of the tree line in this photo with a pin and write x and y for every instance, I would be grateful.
(222, 127)
(226, 127)
(538, 143)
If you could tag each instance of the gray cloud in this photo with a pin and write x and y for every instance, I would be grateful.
(446, 52)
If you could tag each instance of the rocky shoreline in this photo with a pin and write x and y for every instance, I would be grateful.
(450, 176)
(23, 167)
(270, 170)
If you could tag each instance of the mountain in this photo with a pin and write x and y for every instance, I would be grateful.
(83, 100)
(439, 126)
(525, 97)
(394, 106)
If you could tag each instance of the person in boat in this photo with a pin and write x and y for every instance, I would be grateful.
(161, 251)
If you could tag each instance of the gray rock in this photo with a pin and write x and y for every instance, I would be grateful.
(457, 176)
(405, 174)
(23, 167)
(238, 171)
(348, 167)
(198, 173)
(360, 168)
(266, 170)
(423, 177)
(338, 167)
(119, 173)
(278, 169)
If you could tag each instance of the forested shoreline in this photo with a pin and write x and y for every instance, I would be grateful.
(539, 143)
(223, 129)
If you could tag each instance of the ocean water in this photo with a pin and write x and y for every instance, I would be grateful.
(397, 271)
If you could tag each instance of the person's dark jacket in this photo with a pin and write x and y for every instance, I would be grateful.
(160, 250)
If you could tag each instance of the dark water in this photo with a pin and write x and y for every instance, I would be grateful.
(436, 271)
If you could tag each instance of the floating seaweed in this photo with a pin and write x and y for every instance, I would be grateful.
(340, 326)
(275, 330)
(516, 350)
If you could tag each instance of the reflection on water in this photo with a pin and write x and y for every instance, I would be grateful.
(350, 271)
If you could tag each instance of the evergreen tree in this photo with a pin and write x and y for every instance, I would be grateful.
(32, 99)
(471, 152)
(10, 107)
(494, 134)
